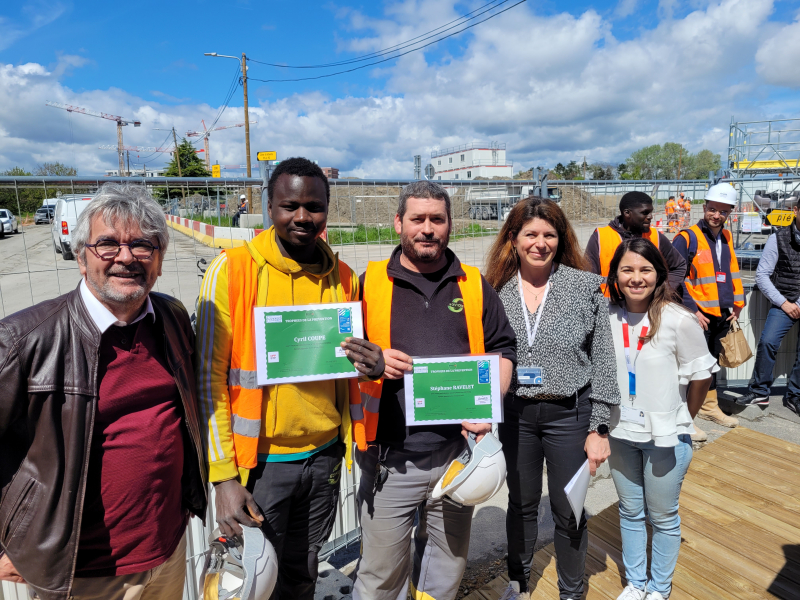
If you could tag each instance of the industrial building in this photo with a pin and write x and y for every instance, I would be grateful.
(331, 172)
(150, 172)
(468, 161)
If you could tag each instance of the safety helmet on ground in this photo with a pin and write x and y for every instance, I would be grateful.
(476, 475)
(243, 567)
(722, 192)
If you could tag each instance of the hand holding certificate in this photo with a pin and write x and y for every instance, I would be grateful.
(303, 343)
(452, 389)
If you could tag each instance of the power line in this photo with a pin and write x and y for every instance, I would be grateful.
(397, 47)
(391, 58)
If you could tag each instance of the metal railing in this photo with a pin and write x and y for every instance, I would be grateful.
(360, 228)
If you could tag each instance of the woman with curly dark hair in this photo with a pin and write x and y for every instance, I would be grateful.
(558, 407)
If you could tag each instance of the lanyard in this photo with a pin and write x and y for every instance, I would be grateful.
(532, 333)
(627, 343)
(719, 251)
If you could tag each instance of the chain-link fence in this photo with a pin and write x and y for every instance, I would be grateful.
(35, 266)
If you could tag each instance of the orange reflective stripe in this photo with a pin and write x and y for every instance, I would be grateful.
(377, 306)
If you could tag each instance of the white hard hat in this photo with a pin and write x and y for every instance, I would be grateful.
(722, 192)
(480, 478)
(242, 197)
(245, 568)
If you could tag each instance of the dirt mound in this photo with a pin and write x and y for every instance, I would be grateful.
(581, 206)
(377, 205)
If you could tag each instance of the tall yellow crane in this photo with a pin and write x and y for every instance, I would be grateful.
(121, 122)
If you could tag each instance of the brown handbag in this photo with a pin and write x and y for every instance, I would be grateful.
(735, 349)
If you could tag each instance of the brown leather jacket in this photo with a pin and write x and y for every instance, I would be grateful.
(48, 395)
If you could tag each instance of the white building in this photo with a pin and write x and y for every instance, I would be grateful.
(476, 159)
(151, 172)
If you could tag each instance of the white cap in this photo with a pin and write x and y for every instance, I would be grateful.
(722, 192)
(242, 197)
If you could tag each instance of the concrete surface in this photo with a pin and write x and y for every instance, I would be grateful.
(332, 584)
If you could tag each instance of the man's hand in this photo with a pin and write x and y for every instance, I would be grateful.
(397, 363)
(704, 320)
(791, 309)
(366, 356)
(232, 498)
(479, 429)
(597, 450)
(736, 311)
(8, 572)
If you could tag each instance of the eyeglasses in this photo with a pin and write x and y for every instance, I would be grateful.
(108, 249)
(714, 211)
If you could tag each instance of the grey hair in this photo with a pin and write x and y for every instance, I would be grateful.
(124, 203)
(423, 189)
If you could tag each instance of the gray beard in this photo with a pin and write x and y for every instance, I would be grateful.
(107, 294)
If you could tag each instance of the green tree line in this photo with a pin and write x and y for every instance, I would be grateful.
(22, 200)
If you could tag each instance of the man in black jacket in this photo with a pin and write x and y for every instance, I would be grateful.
(100, 448)
(635, 216)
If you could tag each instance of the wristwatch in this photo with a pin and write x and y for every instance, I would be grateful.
(602, 429)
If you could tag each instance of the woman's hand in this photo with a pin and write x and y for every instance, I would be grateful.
(597, 450)
(365, 356)
(397, 363)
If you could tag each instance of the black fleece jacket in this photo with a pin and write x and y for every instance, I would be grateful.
(675, 262)
(427, 320)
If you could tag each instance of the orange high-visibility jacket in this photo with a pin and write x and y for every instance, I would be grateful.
(608, 239)
(670, 206)
(701, 282)
(244, 293)
(377, 307)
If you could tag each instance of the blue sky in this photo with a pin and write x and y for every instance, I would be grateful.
(554, 80)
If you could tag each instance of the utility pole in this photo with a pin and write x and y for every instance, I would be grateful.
(680, 158)
(584, 168)
(246, 129)
(178, 160)
(129, 162)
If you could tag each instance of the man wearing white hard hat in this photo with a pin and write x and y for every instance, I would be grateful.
(778, 278)
(241, 210)
(713, 287)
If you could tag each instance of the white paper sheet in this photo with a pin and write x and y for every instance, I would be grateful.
(576, 490)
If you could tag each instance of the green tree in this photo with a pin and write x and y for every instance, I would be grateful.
(191, 164)
(701, 163)
(663, 162)
(22, 199)
(54, 169)
(16, 172)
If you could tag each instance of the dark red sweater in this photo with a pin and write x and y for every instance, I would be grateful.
(133, 519)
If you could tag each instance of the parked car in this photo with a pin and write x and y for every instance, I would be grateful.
(44, 215)
(64, 222)
(8, 222)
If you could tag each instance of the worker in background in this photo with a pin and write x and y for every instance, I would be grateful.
(636, 213)
(240, 210)
(687, 211)
(713, 287)
(671, 209)
(778, 278)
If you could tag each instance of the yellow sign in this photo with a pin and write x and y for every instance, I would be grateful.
(215, 171)
(780, 217)
(267, 155)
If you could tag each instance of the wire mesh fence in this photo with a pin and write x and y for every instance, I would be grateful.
(35, 267)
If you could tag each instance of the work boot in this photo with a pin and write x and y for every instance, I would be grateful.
(699, 435)
(710, 411)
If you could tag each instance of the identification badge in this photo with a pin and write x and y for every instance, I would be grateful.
(631, 415)
(721, 277)
(631, 383)
(530, 375)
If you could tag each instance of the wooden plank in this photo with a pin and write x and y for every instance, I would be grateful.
(717, 479)
(723, 454)
(594, 586)
(768, 443)
(750, 472)
(771, 519)
(756, 457)
(544, 581)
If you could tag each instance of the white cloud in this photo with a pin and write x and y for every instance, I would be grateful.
(554, 88)
(38, 12)
(625, 8)
(777, 58)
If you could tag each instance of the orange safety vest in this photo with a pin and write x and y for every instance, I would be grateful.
(670, 206)
(245, 270)
(608, 239)
(377, 307)
(701, 282)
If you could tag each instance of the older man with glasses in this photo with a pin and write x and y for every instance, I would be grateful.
(100, 448)
(713, 287)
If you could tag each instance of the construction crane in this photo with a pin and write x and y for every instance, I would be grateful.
(170, 150)
(206, 133)
(121, 122)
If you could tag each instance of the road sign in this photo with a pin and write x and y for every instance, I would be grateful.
(215, 171)
(267, 155)
(780, 217)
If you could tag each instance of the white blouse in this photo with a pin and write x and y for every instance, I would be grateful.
(664, 367)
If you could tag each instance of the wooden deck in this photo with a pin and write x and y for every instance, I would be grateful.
(740, 513)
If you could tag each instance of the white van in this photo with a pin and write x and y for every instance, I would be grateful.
(64, 221)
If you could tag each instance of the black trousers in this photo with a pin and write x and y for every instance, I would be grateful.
(535, 432)
(718, 328)
(299, 501)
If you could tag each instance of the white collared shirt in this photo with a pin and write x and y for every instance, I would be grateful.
(103, 317)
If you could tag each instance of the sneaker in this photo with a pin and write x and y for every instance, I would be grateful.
(512, 592)
(793, 404)
(751, 399)
(631, 593)
(654, 596)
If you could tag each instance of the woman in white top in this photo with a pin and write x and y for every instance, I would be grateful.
(664, 371)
